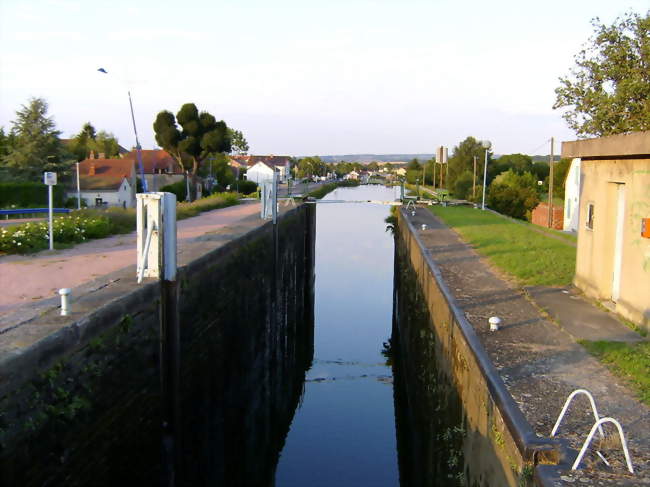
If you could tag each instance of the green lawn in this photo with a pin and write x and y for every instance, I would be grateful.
(532, 258)
(631, 361)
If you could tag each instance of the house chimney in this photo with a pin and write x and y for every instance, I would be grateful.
(91, 155)
(91, 170)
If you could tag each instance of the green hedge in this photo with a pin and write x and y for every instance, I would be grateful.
(29, 195)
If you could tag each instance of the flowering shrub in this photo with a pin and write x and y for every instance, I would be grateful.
(34, 236)
(89, 223)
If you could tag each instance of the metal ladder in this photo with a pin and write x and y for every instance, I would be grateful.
(597, 426)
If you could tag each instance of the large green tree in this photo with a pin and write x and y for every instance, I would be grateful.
(196, 137)
(311, 166)
(608, 90)
(35, 144)
(462, 161)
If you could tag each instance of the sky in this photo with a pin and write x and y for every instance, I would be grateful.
(304, 77)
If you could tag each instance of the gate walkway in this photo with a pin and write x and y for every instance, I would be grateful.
(28, 279)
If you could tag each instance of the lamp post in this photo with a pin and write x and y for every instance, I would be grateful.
(138, 147)
(486, 144)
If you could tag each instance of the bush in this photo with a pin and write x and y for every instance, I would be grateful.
(512, 201)
(179, 189)
(245, 186)
(29, 195)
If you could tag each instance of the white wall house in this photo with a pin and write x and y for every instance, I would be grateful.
(261, 172)
(572, 196)
(122, 196)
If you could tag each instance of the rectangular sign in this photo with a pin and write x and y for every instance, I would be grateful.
(441, 155)
(49, 178)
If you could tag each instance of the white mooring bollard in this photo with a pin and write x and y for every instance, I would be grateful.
(494, 321)
(65, 303)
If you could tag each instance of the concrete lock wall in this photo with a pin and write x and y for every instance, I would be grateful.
(80, 396)
(444, 374)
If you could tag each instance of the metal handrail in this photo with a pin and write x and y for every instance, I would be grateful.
(591, 435)
(566, 406)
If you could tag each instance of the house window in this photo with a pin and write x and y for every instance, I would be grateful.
(590, 216)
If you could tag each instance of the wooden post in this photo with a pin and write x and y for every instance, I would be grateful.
(474, 181)
(550, 188)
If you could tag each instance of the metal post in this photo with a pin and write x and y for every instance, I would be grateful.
(274, 197)
(433, 179)
(78, 189)
(484, 179)
(417, 185)
(51, 215)
(138, 148)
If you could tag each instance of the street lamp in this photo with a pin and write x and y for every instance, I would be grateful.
(138, 147)
(486, 144)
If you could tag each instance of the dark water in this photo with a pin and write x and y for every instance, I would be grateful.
(343, 433)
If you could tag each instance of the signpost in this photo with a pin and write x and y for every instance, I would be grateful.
(49, 178)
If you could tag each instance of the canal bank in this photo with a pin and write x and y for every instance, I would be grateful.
(79, 395)
(535, 361)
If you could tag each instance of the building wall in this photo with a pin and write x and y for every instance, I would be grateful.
(595, 260)
(540, 216)
(124, 195)
(259, 174)
(572, 197)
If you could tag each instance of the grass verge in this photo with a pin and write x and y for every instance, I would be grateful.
(530, 257)
(628, 360)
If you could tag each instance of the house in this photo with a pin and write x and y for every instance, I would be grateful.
(265, 170)
(160, 168)
(107, 182)
(613, 252)
(572, 196)
(352, 175)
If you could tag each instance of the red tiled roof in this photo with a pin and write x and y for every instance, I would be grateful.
(106, 174)
(268, 160)
(155, 160)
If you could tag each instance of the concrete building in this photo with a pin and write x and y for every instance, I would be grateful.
(107, 182)
(613, 254)
(572, 197)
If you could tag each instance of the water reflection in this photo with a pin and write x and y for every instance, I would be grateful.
(344, 433)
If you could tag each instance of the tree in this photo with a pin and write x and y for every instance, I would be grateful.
(88, 139)
(609, 88)
(238, 142)
(413, 165)
(35, 146)
(463, 160)
(311, 166)
(200, 136)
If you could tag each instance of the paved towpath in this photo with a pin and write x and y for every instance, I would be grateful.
(538, 359)
(27, 279)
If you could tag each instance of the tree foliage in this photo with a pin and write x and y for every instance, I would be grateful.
(513, 194)
(311, 166)
(194, 139)
(238, 142)
(462, 161)
(88, 139)
(33, 145)
(608, 90)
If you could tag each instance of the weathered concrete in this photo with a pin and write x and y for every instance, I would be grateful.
(538, 361)
(79, 395)
(615, 145)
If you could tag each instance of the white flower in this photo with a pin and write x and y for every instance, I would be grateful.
(19, 243)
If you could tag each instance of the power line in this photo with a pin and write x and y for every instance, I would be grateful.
(532, 152)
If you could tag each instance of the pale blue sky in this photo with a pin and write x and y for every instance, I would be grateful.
(304, 77)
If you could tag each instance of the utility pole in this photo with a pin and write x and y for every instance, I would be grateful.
(433, 180)
(550, 188)
(474, 180)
